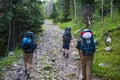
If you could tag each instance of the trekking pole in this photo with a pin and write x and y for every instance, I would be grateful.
(19, 69)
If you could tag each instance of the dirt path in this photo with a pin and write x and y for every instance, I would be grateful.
(51, 65)
(52, 54)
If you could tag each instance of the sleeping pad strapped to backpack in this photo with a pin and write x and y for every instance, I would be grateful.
(87, 44)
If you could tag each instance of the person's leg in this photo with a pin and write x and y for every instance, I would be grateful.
(67, 53)
(63, 48)
(30, 60)
(25, 62)
(67, 49)
(89, 69)
(64, 52)
(29, 63)
(83, 62)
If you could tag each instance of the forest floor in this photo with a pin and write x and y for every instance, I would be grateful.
(51, 65)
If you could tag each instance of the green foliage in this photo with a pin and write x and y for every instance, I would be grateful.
(3, 24)
(112, 59)
(109, 23)
(4, 21)
(8, 61)
(47, 67)
(63, 8)
(54, 15)
(74, 25)
(111, 71)
(117, 4)
(87, 1)
(19, 17)
(29, 14)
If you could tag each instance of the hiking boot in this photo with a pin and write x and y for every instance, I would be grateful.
(83, 79)
(18, 78)
(28, 75)
(67, 56)
(64, 54)
(25, 71)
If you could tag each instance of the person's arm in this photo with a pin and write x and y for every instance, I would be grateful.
(63, 35)
(79, 52)
(36, 45)
(71, 37)
(78, 47)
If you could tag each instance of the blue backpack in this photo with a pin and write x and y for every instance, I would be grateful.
(28, 42)
(87, 45)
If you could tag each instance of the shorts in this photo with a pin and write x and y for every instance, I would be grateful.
(28, 57)
(28, 51)
(66, 45)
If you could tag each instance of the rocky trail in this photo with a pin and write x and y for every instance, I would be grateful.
(48, 62)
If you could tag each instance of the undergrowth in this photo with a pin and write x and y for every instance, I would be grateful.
(8, 61)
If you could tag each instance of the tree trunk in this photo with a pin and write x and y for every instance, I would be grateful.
(102, 15)
(14, 37)
(75, 8)
(111, 8)
(10, 29)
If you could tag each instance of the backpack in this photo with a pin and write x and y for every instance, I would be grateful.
(67, 35)
(87, 44)
(28, 42)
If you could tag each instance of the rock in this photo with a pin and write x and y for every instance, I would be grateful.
(74, 52)
(11, 53)
(108, 48)
(15, 64)
(103, 65)
(108, 40)
(75, 55)
(53, 59)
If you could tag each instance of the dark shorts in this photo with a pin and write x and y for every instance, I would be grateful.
(66, 45)
(28, 51)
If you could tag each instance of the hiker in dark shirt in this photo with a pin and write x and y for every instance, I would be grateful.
(66, 41)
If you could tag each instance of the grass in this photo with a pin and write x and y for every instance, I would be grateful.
(8, 61)
(112, 59)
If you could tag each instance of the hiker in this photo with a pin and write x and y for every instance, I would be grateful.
(28, 46)
(66, 41)
(86, 49)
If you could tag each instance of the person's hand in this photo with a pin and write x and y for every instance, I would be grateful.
(38, 46)
(80, 55)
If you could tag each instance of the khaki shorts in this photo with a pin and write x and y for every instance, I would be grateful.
(28, 57)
